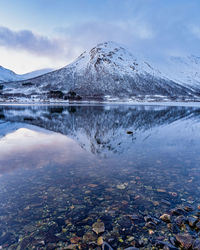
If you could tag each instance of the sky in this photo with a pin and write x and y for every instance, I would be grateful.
(37, 34)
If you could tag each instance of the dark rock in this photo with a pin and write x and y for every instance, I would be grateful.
(8, 238)
(188, 208)
(26, 242)
(177, 211)
(50, 238)
(107, 219)
(172, 240)
(150, 224)
(142, 242)
(125, 222)
(129, 132)
(184, 240)
(136, 217)
(51, 246)
(198, 225)
(60, 221)
(180, 220)
(191, 221)
(153, 219)
(165, 245)
(196, 245)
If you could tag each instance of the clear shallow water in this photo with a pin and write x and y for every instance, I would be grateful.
(63, 168)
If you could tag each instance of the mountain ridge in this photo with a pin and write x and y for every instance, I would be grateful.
(7, 75)
(106, 71)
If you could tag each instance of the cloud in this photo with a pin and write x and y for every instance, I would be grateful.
(195, 30)
(90, 33)
(35, 44)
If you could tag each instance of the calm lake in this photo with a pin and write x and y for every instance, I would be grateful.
(72, 177)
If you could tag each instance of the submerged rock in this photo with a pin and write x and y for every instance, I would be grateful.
(150, 224)
(192, 221)
(180, 220)
(129, 132)
(122, 186)
(196, 245)
(166, 218)
(185, 240)
(198, 225)
(75, 240)
(177, 211)
(164, 245)
(188, 208)
(90, 237)
(100, 241)
(98, 227)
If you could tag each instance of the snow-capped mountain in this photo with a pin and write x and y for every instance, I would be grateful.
(106, 70)
(36, 73)
(7, 75)
(183, 70)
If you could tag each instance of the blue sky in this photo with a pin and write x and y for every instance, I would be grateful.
(51, 33)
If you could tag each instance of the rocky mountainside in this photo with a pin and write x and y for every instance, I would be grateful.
(106, 71)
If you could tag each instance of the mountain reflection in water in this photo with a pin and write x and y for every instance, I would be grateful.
(64, 167)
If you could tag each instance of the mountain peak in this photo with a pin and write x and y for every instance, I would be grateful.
(106, 70)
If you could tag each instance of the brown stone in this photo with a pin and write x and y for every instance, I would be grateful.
(185, 240)
(180, 220)
(98, 227)
(165, 218)
(75, 240)
(90, 237)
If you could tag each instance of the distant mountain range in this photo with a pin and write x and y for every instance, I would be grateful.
(110, 72)
(7, 75)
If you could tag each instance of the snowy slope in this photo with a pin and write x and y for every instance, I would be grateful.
(36, 73)
(183, 70)
(106, 70)
(7, 75)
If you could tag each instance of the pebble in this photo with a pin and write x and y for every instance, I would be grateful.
(188, 208)
(180, 220)
(185, 240)
(150, 224)
(100, 241)
(166, 218)
(89, 237)
(196, 245)
(192, 221)
(198, 225)
(121, 186)
(177, 211)
(75, 240)
(98, 227)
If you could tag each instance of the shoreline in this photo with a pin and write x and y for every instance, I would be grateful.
(102, 103)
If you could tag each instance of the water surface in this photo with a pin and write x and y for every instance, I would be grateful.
(63, 168)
